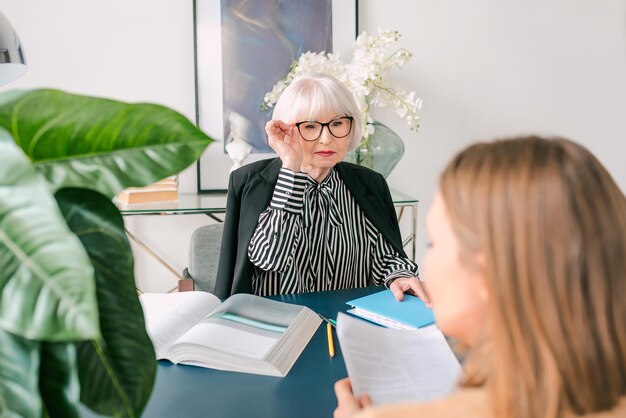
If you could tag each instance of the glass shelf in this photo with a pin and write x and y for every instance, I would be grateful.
(193, 203)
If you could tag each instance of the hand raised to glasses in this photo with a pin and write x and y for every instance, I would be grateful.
(285, 141)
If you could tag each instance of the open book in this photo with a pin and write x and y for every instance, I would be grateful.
(397, 365)
(245, 333)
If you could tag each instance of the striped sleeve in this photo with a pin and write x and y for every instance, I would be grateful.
(289, 191)
(279, 228)
(388, 264)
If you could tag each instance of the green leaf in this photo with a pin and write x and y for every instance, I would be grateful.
(46, 280)
(19, 362)
(100, 144)
(117, 372)
(58, 380)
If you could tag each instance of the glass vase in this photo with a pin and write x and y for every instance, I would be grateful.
(381, 151)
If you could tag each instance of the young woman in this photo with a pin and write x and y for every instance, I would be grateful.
(307, 221)
(527, 268)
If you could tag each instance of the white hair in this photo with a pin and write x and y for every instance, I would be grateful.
(312, 95)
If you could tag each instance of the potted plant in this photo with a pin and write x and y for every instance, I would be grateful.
(71, 326)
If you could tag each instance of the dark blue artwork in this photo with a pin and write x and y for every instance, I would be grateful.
(260, 40)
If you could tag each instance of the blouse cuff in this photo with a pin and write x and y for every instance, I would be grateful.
(398, 274)
(289, 191)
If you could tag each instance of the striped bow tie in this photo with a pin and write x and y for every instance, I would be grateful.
(321, 195)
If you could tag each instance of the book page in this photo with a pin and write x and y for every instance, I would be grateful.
(379, 319)
(230, 337)
(260, 310)
(244, 324)
(170, 315)
(397, 365)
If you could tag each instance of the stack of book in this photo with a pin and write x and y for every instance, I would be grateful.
(165, 190)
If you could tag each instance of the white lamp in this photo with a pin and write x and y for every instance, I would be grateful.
(12, 61)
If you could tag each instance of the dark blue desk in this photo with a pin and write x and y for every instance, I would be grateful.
(307, 391)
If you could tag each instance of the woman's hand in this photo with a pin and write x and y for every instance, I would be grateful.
(284, 140)
(348, 405)
(411, 285)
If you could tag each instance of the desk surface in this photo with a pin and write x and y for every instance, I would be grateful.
(190, 203)
(307, 391)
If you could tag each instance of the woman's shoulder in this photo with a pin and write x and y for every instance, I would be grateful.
(466, 403)
(619, 411)
(267, 168)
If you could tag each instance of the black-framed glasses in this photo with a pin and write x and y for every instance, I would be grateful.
(311, 130)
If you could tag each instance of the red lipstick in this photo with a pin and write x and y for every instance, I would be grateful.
(325, 153)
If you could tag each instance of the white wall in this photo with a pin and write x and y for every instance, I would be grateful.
(493, 68)
(139, 51)
(484, 68)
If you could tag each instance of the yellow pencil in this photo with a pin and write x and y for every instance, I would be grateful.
(329, 334)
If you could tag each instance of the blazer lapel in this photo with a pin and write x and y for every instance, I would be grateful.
(362, 192)
(370, 198)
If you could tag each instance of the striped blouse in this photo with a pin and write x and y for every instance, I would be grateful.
(315, 237)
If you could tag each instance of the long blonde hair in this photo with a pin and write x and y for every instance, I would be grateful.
(551, 225)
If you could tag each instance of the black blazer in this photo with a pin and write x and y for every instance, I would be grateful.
(250, 191)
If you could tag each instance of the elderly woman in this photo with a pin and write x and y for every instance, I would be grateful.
(307, 221)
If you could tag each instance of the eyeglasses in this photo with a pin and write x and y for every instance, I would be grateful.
(311, 130)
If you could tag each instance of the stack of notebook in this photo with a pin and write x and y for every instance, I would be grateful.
(165, 190)
(382, 308)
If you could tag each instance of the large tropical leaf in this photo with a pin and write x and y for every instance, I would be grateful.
(58, 380)
(116, 372)
(100, 144)
(19, 363)
(47, 288)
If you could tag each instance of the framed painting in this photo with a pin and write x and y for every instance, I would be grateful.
(242, 48)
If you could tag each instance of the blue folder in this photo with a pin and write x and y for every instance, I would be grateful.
(383, 309)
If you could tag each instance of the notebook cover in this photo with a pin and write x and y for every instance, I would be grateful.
(411, 311)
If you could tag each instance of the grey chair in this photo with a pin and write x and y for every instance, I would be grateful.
(204, 252)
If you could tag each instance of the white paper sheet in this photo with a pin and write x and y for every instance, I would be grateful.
(229, 340)
(397, 365)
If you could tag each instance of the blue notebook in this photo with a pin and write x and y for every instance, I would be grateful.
(383, 309)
